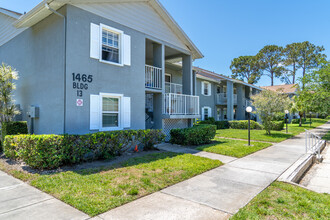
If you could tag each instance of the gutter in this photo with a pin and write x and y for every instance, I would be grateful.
(64, 67)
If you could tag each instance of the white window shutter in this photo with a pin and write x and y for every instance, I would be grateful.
(209, 111)
(127, 49)
(202, 92)
(126, 112)
(209, 89)
(203, 115)
(95, 41)
(94, 112)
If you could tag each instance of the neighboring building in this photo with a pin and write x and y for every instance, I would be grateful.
(89, 66)
(289, 89)
(221, 97)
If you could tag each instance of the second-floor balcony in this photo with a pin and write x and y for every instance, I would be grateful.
(173, 88)
(222, 98)
(153, 77)
(179, 105)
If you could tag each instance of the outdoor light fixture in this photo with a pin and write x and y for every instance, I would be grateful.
(286, 119)
(249, 110)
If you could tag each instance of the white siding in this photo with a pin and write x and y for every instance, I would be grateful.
(139, 16)
(7, 30)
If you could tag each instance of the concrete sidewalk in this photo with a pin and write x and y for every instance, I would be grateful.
(318, 177)
(19, 200)
(221, 192)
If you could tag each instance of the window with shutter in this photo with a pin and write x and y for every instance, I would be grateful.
(206, 88)
(110, 45)
(206, 113)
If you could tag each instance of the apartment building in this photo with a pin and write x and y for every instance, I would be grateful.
(222, 97)
(88, 66)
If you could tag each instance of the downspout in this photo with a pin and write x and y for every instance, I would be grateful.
(64, 31)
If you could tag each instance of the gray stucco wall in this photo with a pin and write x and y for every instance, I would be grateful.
(107, 78)
(206, 101)
(37, 54)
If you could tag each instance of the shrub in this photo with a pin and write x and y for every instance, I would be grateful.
(52, 151)
(209, 121)
(277, 125)
(13, 128)
(222, 124)
(199, 134)
(244, 124)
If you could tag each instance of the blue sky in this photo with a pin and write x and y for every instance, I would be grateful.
(225, 29)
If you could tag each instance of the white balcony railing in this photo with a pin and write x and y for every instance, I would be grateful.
(153, 77)
(179, 104)
(173, 88)
(222, 98)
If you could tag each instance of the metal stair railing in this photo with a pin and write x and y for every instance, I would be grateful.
(313, 143)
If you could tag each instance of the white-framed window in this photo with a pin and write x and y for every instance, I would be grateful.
(110, 117)
(111, 49)
(110, 45)
(206, 113)
(109, 111)
(206, 88)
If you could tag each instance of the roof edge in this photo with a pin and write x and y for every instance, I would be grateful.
(10, 13)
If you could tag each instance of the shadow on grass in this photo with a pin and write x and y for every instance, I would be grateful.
(213, 143)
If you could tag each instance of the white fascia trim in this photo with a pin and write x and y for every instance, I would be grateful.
(176, 28)
(10, 14)
(208, 79)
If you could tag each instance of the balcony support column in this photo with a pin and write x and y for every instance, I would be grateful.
(240, 102)
(187, 75)
(158, 104)
(230, 100)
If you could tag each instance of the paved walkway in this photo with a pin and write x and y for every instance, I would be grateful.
(221, 192)
(318, 177)
(19, 200)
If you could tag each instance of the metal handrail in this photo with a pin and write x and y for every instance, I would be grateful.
(313, 143)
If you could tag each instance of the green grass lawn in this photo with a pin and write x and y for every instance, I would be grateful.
(285, 201)
(326, 136)
(95, 191)
(275, 136)
(234, 148)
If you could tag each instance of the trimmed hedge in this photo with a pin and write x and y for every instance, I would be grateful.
(277, 125)
(199, 134)
(13, 128)
(244, 124)
(222, 124)
(53, 151)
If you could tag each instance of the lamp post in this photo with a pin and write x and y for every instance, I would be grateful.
(286, 119)
(310, 119)
(249, 110)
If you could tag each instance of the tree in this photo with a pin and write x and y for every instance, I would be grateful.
(269, 104)
(7, 86)
(246, 68)
(310, 57)
(271, 60)
(292, 57)
(315, 96)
